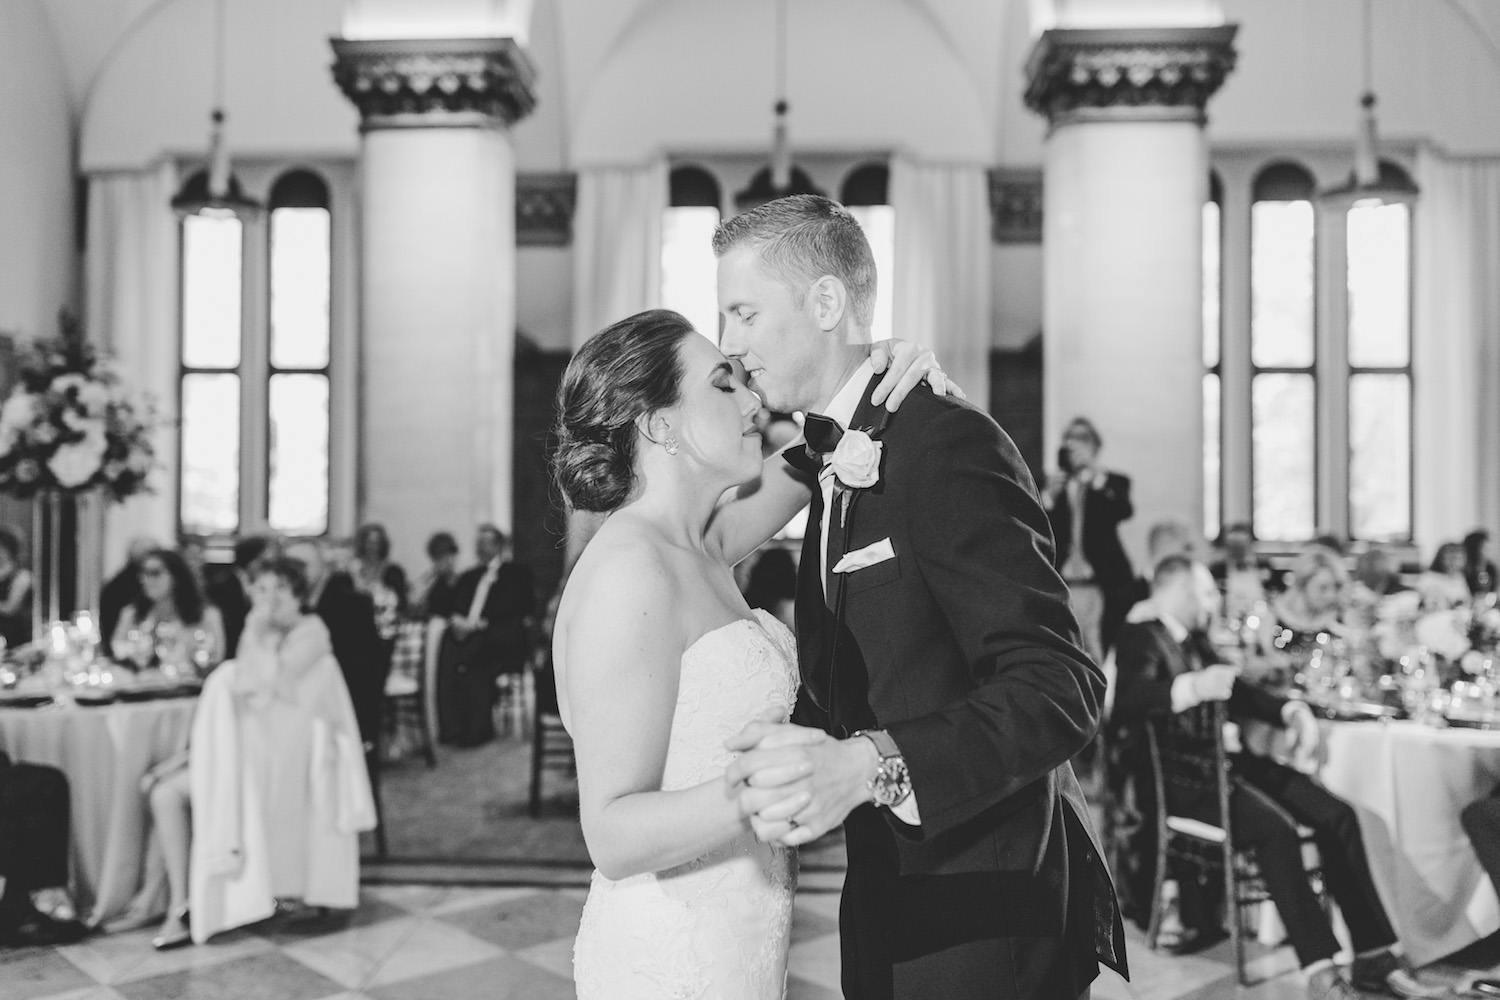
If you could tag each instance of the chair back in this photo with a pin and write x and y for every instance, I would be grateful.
(1189, 763)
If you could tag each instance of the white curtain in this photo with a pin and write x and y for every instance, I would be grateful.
(131, 311)
(616, 244)
(944, 267)
(1456, 352)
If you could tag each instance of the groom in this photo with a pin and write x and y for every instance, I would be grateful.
(944, 684)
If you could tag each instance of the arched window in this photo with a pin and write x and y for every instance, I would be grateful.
(209, 390)
(1283, 353)
(298, 384)
(1212, 350)
(257, 357)
(864, 193)
(1378, 248)
(689, 271)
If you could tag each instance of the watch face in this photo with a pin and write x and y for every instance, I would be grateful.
(892, 782)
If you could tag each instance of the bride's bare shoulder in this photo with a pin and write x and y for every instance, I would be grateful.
(621, 576)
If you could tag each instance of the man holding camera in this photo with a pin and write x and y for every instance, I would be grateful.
(1086, 504)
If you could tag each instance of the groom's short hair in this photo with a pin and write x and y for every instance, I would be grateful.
(802, 237)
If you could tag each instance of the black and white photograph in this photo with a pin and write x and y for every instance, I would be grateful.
(749, 499)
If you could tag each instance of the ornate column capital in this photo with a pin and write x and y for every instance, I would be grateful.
(1127, 74)
(426, 82)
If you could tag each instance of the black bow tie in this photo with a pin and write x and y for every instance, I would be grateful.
(822, 434)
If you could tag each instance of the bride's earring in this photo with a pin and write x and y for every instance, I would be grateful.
(671, 445)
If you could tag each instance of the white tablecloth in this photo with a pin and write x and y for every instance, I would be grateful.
(1409, 783)
(105, 751)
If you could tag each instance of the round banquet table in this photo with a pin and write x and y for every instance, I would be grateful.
(105, 751)
(1409, 782)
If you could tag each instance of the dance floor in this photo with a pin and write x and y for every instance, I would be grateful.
(440, 942)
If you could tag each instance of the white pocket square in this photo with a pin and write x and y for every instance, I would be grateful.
(870, 555)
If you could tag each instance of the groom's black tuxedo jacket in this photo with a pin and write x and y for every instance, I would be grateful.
(963, 647)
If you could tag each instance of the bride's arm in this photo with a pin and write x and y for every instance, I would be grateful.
(756, 511)
(621, 655)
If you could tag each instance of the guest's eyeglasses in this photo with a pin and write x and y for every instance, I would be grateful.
(153, 571)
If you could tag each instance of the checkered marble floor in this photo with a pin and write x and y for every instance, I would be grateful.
(436, 942)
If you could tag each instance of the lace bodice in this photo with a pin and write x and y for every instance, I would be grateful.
(718, 926)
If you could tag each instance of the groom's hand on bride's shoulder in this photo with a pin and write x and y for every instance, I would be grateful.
(906, 365)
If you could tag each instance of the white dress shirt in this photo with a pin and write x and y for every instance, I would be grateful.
(482, 591)
(842, 408)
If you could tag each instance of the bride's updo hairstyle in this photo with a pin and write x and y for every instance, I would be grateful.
(623, 371)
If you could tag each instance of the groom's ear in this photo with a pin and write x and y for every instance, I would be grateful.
(829, 301)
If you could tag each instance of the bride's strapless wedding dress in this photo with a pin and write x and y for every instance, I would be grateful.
(718, 927)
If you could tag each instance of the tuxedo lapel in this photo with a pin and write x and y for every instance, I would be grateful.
(811, 611)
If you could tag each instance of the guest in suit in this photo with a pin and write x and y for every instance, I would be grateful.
(944, 685)
(122, 590)
(34, 820)
(228, 588)
(1167, 668)
(486, 613)
(1481, 822)
(350, 618)
(15, 592)
(1085, 504)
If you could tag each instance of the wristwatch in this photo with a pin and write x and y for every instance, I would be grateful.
(892, 782)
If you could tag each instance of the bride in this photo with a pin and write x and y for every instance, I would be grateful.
(660, 661)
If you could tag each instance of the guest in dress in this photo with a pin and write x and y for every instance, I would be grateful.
(122, 590)
(34, 830)
(267, 803)
(1479, 570)
(486, 636)
(350, 618)
(15, 592)
(383, 581)
(1086, 504)
(433, 586)
(169, 625)
(1312, 605)
(1444, 585)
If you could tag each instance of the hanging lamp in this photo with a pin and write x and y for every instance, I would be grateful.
(780, 178)
(216, 192)
(1370, 182)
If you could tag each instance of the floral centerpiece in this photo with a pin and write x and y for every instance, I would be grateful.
(1465, 639)
(71, 426)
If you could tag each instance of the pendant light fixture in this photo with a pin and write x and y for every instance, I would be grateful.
(1369, 182)
(216, 193)
(780, 178)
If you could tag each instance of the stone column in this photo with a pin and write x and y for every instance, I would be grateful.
(438, 266)
(1126, 176)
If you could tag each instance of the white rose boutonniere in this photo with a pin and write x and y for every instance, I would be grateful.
(856, 460)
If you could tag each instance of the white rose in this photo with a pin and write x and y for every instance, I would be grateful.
(19, 410)
(1472, 663)
(856, 460)
(75, 464)
(94, 397)
(1446, 633)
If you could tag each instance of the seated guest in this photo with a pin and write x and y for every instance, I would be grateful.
(1244, 577)
(228, 588)
(268, 803)
(15, 592)
(1375, 573)
(1481, 822)
(1479, 571)
(486, 636)
(433, 585)
(1166, 668)
(123, 589)
(169, 623)
(350, 618)
(383, 581)
(34, 810)
(1311, 605)
(1444, 585)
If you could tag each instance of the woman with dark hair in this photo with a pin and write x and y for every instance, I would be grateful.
(1444, 585)
(773, 583)
(659, 660)
(1479, 571)
(385, 581)
(15, 592)
(170, 624)
(433, 585)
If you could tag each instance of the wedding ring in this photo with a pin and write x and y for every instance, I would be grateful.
(792, 822)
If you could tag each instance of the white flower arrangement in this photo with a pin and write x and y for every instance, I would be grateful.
(70, 425)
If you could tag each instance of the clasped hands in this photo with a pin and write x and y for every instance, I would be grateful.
(795, 784)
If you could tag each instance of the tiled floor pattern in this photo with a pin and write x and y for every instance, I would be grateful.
(438, 942)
